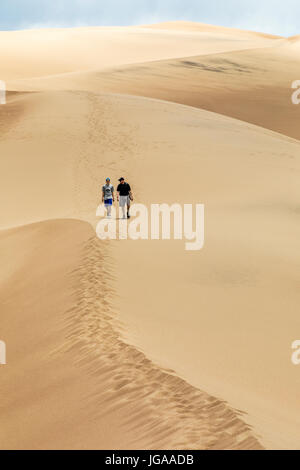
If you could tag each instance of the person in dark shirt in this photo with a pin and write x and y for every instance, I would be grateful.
(124, 196)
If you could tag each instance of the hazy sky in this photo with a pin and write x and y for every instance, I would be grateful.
(271, 16)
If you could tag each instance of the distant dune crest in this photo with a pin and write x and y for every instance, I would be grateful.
(203, 27)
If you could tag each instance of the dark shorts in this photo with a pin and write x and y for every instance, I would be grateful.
(108, 202)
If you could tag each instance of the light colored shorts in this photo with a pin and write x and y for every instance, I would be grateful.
(124, 201)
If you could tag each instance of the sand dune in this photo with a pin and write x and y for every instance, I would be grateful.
(252, 85)
(202, 27)
(155, 332)
(249, 190)
(291, 47)
(68, 365)
(236, 84)
(47, 52)
(294, 38)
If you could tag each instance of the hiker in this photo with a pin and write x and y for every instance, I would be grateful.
(124, 196)
(108, 196)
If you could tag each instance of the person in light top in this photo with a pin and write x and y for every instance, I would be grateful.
(108, 196)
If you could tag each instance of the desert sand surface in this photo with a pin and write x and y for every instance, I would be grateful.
(250, 85)
(35, 53)
(71, 381)
(123, 344)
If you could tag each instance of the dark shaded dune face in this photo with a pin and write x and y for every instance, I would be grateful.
(217, 65)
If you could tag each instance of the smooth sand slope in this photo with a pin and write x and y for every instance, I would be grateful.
(252, 84)
(71, 382)
(124, 315)
(34, 53)
(182, 298)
